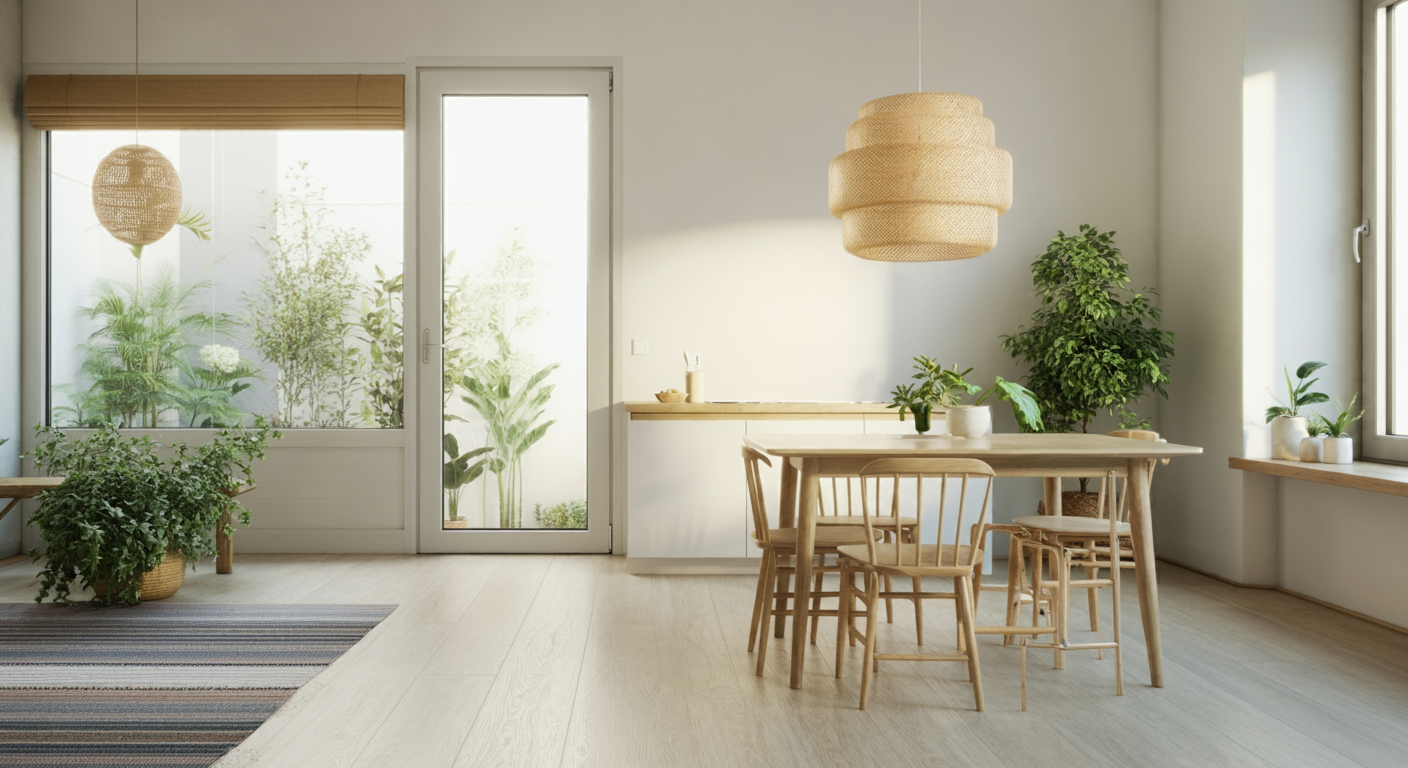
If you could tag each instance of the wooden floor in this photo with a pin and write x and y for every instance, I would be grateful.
(568, 660)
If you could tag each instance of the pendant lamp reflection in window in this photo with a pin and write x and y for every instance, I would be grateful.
(136, 190)
(921, 179)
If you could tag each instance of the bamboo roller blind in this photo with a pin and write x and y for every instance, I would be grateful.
(217, 102)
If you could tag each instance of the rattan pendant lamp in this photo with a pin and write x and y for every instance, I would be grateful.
(922, 178)
(136, 191)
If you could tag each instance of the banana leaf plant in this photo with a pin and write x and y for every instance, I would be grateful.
(459, 472)
(511, 417)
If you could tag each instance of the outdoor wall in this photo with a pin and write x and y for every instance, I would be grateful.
(10, 420)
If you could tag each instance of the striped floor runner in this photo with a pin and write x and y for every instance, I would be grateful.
(160, 684)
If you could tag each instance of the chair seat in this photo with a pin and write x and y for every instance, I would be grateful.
(887, 558)
(1080, 526)
(888, 521)
(831, 536)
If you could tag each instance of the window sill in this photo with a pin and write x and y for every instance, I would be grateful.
(1363, 475)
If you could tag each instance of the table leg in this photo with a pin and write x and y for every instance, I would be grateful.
(806, 540)
(1142, 535)
(1051, 489)
(9, 507)
(786, 518)
(224, 546)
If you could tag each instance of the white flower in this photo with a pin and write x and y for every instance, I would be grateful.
(220, 358)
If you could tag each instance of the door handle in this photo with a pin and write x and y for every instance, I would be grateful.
(1360, 231)
(426, 346)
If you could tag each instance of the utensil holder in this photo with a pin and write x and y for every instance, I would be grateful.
(693, 387)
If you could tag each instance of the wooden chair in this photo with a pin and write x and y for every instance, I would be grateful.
(1050, 548)
(779, 544)
(914, 560)
(890, 525)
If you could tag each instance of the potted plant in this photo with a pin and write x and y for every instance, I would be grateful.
(1288, 427)
(944, 388)
(1093, 345)
(457, 473)
(122, 511)
(1339, 447)
(1312, 448)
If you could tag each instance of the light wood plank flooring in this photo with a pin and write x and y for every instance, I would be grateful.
(569, 660)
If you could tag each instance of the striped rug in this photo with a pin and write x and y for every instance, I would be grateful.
(159, 684)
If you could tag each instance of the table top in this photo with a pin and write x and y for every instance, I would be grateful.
(26, 487)
(1015, 445)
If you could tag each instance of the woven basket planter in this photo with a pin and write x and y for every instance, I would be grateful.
(1075, 504)
(160, 582)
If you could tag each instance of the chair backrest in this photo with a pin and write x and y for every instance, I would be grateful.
(900, 471)
(751, 461)
(840, 496)
(1133, 434)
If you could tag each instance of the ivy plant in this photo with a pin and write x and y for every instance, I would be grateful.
(1093, 345)
(122, 507)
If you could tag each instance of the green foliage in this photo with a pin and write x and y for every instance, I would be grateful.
(303, 318)
(1093, 345)
(1298, 393)
(136, 358)
(121, 507)
(511, 417)
(1341, 422)
(946, 388)
(381, 325)
(568, 514)
(458, 472)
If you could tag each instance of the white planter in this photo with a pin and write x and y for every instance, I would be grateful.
(1312, 449)
(969, 420)
(1286, 434)
(1339, 450)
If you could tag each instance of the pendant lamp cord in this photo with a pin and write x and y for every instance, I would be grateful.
(920, 36)
(137, 72)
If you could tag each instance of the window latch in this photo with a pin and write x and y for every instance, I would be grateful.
(1360, 231)
(427, 345)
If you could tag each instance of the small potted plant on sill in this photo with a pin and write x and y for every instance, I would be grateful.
(1312, 448)
(1288, 427)
(945, 387)
(1339, 447)
(126, 522)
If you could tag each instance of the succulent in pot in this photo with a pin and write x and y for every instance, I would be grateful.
(1288, 427)
(122, 508)
(1339, 447)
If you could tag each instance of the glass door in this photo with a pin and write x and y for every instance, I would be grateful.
(514, 331)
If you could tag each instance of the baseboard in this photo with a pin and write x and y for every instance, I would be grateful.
(335, 542)
(14, 559)
(1292, 593)
(726, 566)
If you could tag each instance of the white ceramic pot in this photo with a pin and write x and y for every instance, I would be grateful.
(1286, 434)
(1312, 449)
(1339, 450)
(969, 420)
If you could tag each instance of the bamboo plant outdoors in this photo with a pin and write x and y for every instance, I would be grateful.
(121, 507)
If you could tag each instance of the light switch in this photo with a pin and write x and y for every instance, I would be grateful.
(640, 346)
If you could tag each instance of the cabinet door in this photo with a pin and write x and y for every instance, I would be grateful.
(684, 488)
(772, 477)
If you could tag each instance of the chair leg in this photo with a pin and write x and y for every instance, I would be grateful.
(1024, 674)
(759, 605)
(816, 601)
(889, 603)
(1014, 584)
(1094, 598)
(918, 611)
(872, 590)
(770, 564)
(780, 626)
(1115, 615)
(843, 616)
(1062, 608)
(963, 587)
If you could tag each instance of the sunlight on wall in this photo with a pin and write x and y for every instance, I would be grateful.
(1259, 365)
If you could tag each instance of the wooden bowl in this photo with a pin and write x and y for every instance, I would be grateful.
(670, 397)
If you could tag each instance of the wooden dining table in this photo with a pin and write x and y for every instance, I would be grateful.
(806, 458)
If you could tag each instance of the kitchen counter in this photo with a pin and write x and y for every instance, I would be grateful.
(651, 410)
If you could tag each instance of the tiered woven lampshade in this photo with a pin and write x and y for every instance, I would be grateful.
(136, 194)
(921, 180)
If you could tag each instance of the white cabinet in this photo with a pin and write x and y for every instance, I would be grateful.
(685, 492)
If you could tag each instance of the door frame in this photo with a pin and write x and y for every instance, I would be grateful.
(605, 468)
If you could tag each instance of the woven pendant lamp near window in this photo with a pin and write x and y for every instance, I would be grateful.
(921, 179)
(136, 190)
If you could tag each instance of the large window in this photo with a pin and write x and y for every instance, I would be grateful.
(279, 294)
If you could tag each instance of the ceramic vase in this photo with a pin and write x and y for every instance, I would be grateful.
(1312, 449)
(1286, 434)
(969, 420)
(1339, 450)
(923, 413)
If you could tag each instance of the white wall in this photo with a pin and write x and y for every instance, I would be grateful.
(9, 261)
(732, 111)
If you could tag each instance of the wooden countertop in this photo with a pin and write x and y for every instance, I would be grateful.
(1364, 475)
(657, 411)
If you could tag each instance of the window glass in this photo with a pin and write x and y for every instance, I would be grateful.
(278, 295)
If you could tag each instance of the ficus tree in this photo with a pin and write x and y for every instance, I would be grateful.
(1094, 345)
